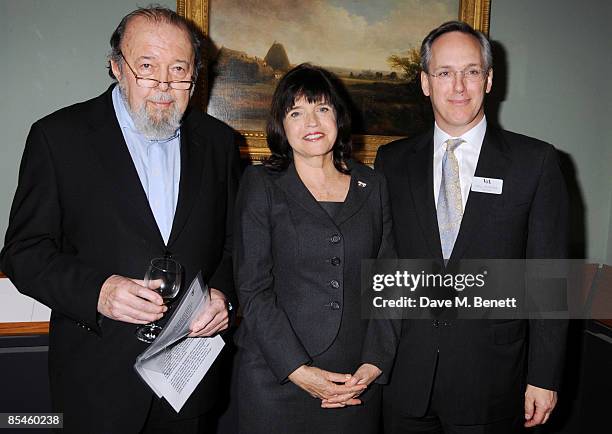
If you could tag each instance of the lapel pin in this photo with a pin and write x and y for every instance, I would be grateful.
(361, 184)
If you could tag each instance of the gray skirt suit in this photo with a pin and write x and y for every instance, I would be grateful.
(298, 279)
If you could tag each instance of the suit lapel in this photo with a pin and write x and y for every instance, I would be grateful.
(420, 173)
(493, 162)
(359, 190)
(291, 183)
(192, 162)
(108, 143)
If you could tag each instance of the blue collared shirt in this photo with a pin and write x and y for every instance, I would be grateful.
(158, 163)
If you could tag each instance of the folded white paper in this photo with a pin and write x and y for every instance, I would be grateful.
(174, 364)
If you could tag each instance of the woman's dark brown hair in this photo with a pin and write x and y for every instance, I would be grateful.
(315, 85)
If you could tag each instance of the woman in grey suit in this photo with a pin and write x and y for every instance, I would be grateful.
(307, 361)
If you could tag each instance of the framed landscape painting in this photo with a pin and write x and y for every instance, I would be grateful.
(372, 46)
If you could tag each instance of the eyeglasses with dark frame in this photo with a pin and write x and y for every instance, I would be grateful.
(470, 74)
(152, 83)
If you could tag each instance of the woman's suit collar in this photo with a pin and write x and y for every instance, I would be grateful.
(363, 182)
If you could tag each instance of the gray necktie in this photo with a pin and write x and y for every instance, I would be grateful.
(450, 207)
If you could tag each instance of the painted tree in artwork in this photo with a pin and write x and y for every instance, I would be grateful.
(409, 64)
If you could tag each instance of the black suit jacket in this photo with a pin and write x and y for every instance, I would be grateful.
(79, 215)
(482, 365)
(298, 269)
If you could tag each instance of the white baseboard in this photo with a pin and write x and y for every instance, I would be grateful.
(16, 307)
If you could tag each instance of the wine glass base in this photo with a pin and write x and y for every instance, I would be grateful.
(148, 332)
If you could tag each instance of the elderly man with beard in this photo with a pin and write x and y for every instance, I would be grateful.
(105, 186)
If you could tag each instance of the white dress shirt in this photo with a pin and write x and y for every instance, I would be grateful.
(467, 154)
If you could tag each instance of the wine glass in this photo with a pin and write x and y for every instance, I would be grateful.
(163, 276)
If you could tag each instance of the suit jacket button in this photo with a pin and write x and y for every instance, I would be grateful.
(335, 239)
(335, 261)
(334, 284)
(334, 305)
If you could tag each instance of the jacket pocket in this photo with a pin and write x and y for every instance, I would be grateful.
(509, 332)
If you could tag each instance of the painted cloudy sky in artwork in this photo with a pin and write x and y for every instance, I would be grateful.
(342, 33)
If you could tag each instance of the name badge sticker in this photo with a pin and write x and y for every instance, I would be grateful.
(487, 185)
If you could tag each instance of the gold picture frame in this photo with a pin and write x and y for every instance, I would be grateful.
(474, 12)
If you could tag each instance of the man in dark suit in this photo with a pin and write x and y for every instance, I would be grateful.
(104, 187)
(472, 375)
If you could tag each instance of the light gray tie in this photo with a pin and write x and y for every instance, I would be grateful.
(450, 207)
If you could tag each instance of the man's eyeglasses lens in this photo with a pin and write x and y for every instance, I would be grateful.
(151, 83)
(472, 75)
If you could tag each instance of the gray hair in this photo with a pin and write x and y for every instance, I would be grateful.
(157, 14)
(456, 26)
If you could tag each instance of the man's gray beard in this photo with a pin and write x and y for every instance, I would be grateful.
(153, 129)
